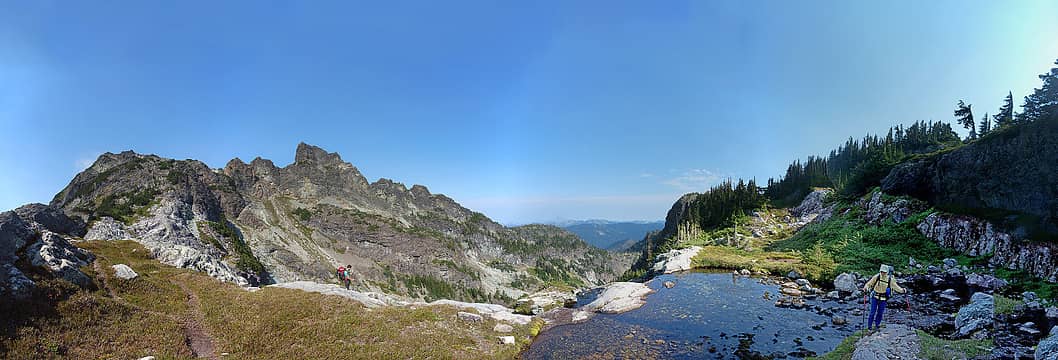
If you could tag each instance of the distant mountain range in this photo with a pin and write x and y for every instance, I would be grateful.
(611, 235)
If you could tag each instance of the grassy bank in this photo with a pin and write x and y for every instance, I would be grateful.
(153, 309)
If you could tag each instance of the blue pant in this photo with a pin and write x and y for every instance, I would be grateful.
(877, 309)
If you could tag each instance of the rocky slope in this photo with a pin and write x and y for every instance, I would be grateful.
(256, 223)
(1008, 176)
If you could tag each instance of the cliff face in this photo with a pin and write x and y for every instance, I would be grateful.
(976, 237)
(258, 223)
(1009, 176)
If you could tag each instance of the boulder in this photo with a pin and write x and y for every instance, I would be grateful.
(950, 263)
(107, 228)
(668, 284)
(791, 291)
(502, 328)
(838, 320)
(1048, 347)
(579, 316)
(977, 315)
(846, 283)
(123, 271)
(506, 340)
(15, 284)
(812, 206)
(803, 282)
(793, 274)
(985, 282)
(676, 260)
(620, 297)
(56, 254)
(892, 342)
(744, 272)
(470, 317)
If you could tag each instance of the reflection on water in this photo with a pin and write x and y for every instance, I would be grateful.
(706, 315)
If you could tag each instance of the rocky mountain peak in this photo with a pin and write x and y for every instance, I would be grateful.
(313, 154)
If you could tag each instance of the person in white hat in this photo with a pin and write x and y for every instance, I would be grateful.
(880, 288)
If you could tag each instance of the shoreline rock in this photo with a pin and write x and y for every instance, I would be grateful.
(676, 260)
(620, 297)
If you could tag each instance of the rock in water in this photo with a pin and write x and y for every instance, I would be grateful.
(123, 271)
(846, 283)
(1048, 347)
(976, 315)
(470, 317)
(893, 342)
(620, 297)
(668, 284)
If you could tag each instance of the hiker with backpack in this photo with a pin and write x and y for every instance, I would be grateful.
(345, 275)
(880, 288)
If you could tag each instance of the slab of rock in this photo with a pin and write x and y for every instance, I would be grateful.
(331, 289)
(123, 271)
(949, 294)
(1048, 347)
(470, 317)
(63, 259)
(579, 316)
(791, 291)
(893, 342)
(976, 315)
(676, 260)
(498, 312)
(845, 283)
(620, 297)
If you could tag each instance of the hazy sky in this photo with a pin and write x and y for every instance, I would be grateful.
(524, 110)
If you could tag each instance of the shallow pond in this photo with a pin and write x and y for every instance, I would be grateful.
(706, 315)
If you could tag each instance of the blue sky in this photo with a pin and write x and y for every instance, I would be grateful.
(526, 111)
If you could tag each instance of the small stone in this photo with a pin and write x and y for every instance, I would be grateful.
(506, 340)
(147, 358)
(744, 272)
(668, 284)
(838, 320)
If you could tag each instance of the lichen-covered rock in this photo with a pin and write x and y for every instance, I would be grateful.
(60, 257)
(107, 228)
(977, 315)
(977, 237)
(190, 258)
(846, 283)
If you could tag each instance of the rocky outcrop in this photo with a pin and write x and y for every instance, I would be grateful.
(1048, 347)
(332, 289)
(107, 229)
(28, 239)
(880, 208)
(975, 316)
(498, 312)
(620, 297)
(1013, 170)
(977, 237)
(676, 260)
(813, 206)
(892, 342)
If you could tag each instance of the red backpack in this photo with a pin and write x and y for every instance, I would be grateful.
(341, 273)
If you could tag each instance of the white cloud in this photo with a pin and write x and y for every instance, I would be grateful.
(695, 180)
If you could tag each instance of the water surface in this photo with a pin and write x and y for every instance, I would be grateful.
(706, 315)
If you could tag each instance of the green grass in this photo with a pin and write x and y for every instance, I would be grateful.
(271, 323)
(302, 214)
(1005, 305)
(933, 348)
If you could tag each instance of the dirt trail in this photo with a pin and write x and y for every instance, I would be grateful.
(198, 336)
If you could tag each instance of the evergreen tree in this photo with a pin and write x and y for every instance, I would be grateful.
(986, 125)
(1043, 101)
(1006, 112)
(964, 116)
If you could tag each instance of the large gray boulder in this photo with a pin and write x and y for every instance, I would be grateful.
(813, 206)
(60, 257)
(846, 283)
(984, 282)
(977, 315)
(893, 342)
(123, 271)
(619, 297)
(1048, 347)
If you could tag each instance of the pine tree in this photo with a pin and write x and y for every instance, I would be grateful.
(1006, 112)
(964, 116)
(1043, 101)
(986, 125)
